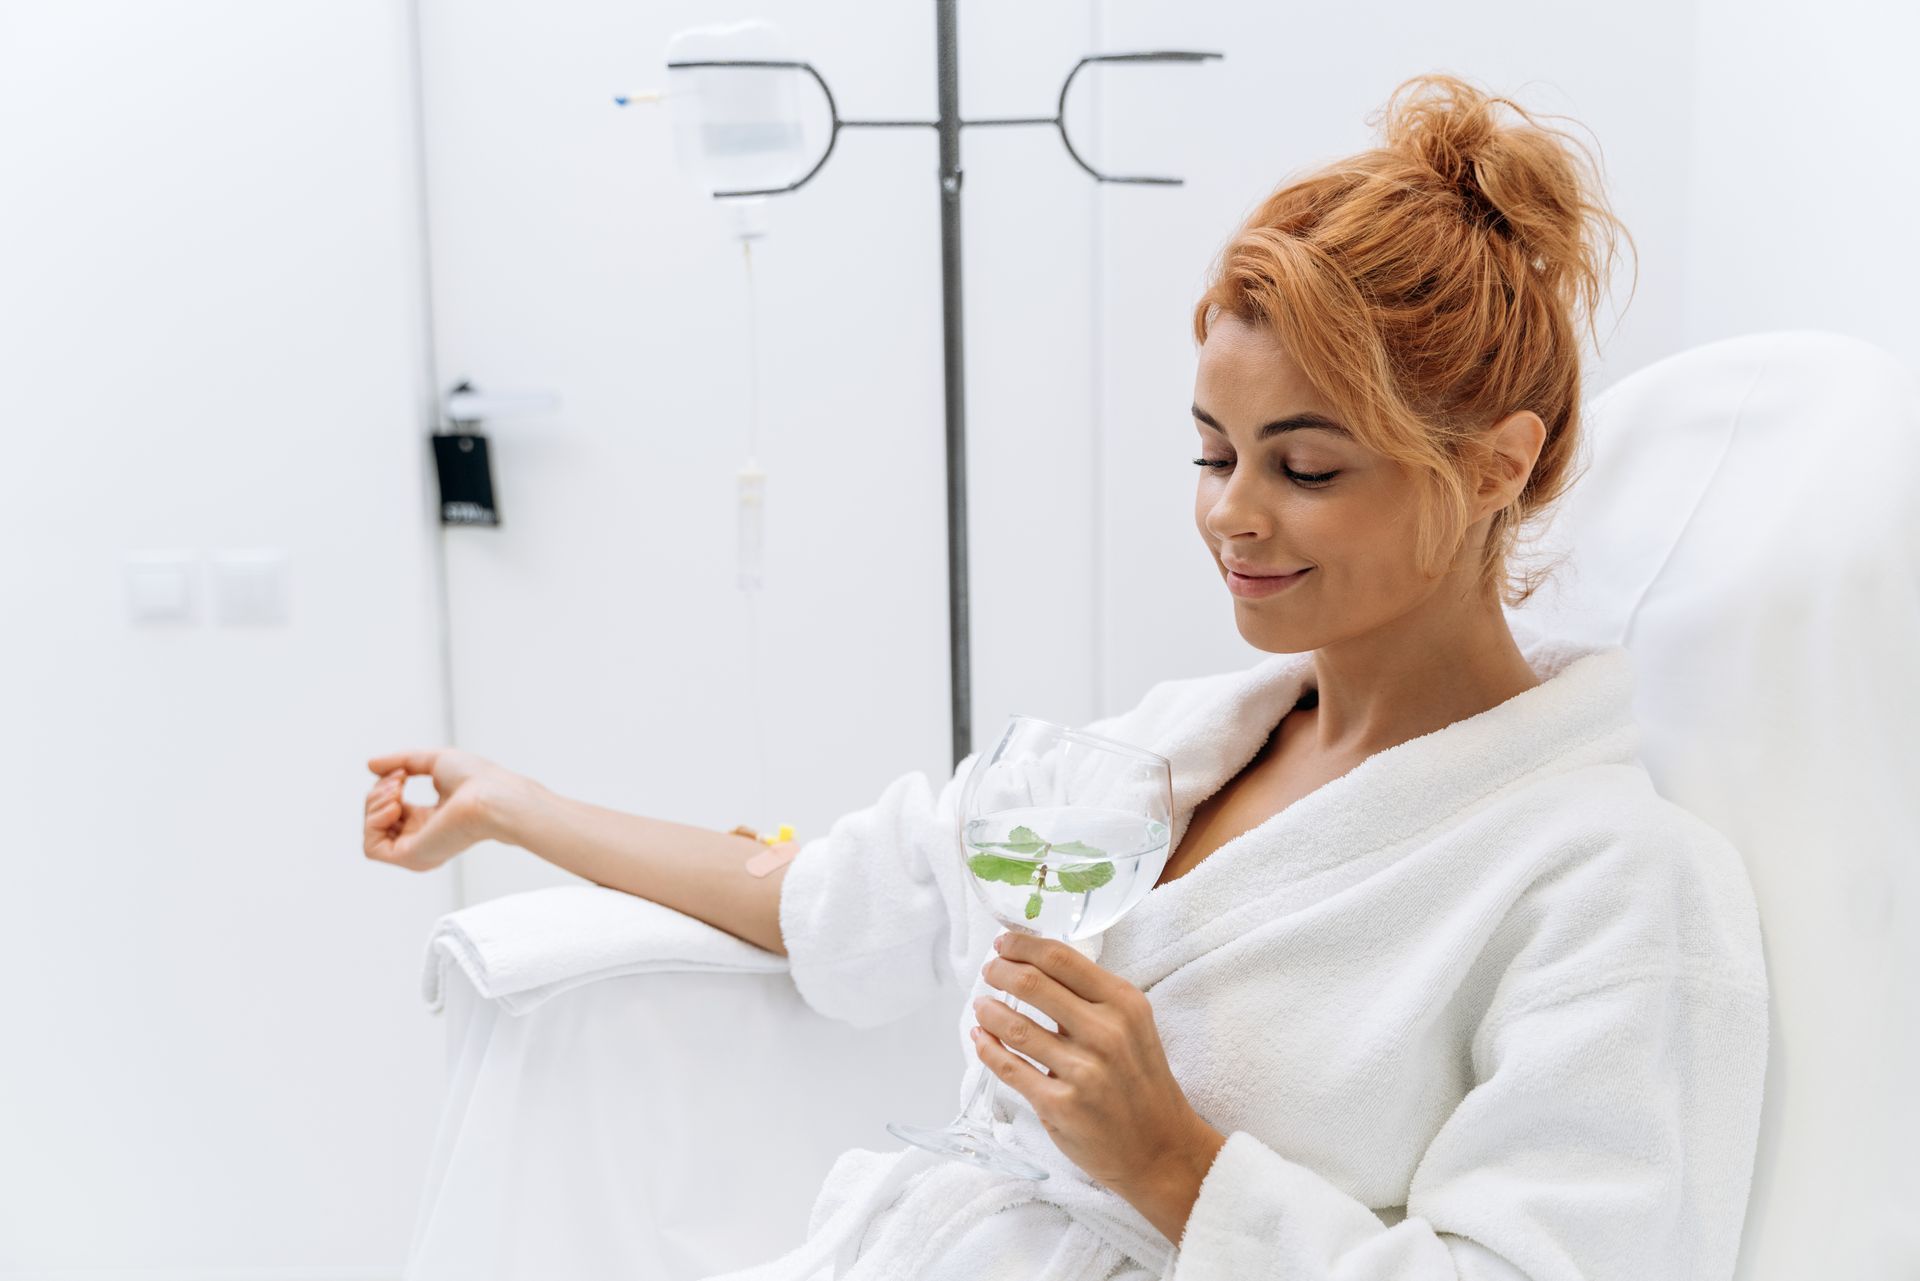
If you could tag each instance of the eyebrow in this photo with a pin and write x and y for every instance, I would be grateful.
(1292, 422)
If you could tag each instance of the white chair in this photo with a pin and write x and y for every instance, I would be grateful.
(578, 1138)
(1748, 527)
(1750, 530)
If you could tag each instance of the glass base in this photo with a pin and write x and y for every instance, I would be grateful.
(969, 1143)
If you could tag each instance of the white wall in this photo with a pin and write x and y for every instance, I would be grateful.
(1803, 187)
(212, 1054)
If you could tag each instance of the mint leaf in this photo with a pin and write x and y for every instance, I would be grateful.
(1017, 847)
(1079, 880)
(991, 867)
(1024, 840)
(1021, 840)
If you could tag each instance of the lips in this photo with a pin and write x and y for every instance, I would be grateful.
(1256, 586)
(1248, 571)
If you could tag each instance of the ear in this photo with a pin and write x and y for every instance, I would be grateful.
(1514, 443)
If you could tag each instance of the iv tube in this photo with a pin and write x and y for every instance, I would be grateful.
(752, 527)
(750, 224)
(752, 511)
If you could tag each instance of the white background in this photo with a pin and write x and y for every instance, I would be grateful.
(214, 331)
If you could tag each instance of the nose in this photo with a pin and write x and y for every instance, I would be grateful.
(1234, 513)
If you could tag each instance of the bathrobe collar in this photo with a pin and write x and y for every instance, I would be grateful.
(1580, 714)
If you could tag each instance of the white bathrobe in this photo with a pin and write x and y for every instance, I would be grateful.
(1486, 1006)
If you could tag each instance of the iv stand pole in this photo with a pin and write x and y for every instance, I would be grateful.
(959, 633)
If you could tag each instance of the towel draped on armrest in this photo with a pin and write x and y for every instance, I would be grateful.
(524, 948)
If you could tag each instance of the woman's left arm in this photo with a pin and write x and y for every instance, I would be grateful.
(1108, 1097)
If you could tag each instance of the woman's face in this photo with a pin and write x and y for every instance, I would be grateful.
(1283, 489)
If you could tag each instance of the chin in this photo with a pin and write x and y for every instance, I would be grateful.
(1263, 635)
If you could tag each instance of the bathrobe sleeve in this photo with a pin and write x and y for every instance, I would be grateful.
(876, 915)
(1608, 1135)
(873, 912)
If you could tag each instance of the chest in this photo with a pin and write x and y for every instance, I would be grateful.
(1285, 769)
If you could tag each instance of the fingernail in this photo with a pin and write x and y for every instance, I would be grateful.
(999, 942)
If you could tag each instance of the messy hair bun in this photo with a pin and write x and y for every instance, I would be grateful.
(1433, 285)
(1531, 185)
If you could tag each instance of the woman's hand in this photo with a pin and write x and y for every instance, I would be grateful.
(1107, 1096)
(421, 837)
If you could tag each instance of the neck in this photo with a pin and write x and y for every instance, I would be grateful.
(1441, 662)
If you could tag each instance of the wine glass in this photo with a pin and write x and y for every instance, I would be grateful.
(1061, 833)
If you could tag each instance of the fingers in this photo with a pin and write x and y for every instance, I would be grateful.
(382, 826)
(1018, 1032)
(406, 843)
(1030, 1081)
(416, 761)
(1037, 988)
(383, 814)
(1069, 968)
(385, 794)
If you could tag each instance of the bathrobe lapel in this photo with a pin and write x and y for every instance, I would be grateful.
(1580, 713)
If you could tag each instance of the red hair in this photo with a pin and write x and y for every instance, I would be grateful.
(1431, 286)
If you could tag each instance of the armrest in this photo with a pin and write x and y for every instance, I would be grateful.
(523, 949)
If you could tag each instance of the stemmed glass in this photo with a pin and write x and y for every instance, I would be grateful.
(1061, 833)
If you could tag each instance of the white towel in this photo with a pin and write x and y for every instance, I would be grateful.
(524, 948)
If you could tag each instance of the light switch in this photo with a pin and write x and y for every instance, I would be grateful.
(160, 586)
(249, 587)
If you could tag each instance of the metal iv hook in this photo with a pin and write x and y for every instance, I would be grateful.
(1058, 120)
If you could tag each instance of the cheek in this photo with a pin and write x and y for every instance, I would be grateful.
(1361, 558)
(1374, 545)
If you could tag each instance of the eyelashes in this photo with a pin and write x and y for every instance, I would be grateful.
(1307, 480)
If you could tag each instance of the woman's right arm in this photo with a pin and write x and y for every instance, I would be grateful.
(694, 870)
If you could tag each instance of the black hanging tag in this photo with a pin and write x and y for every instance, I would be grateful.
(466, 479)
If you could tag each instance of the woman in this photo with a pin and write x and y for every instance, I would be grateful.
(1435, 984)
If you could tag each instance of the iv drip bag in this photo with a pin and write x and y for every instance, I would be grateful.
(738, 128)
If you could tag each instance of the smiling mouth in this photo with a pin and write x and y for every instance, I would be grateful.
(1258, 585)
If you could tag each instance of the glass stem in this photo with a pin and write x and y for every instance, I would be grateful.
(977, 1113)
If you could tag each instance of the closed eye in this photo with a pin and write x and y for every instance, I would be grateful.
(1308, 480)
